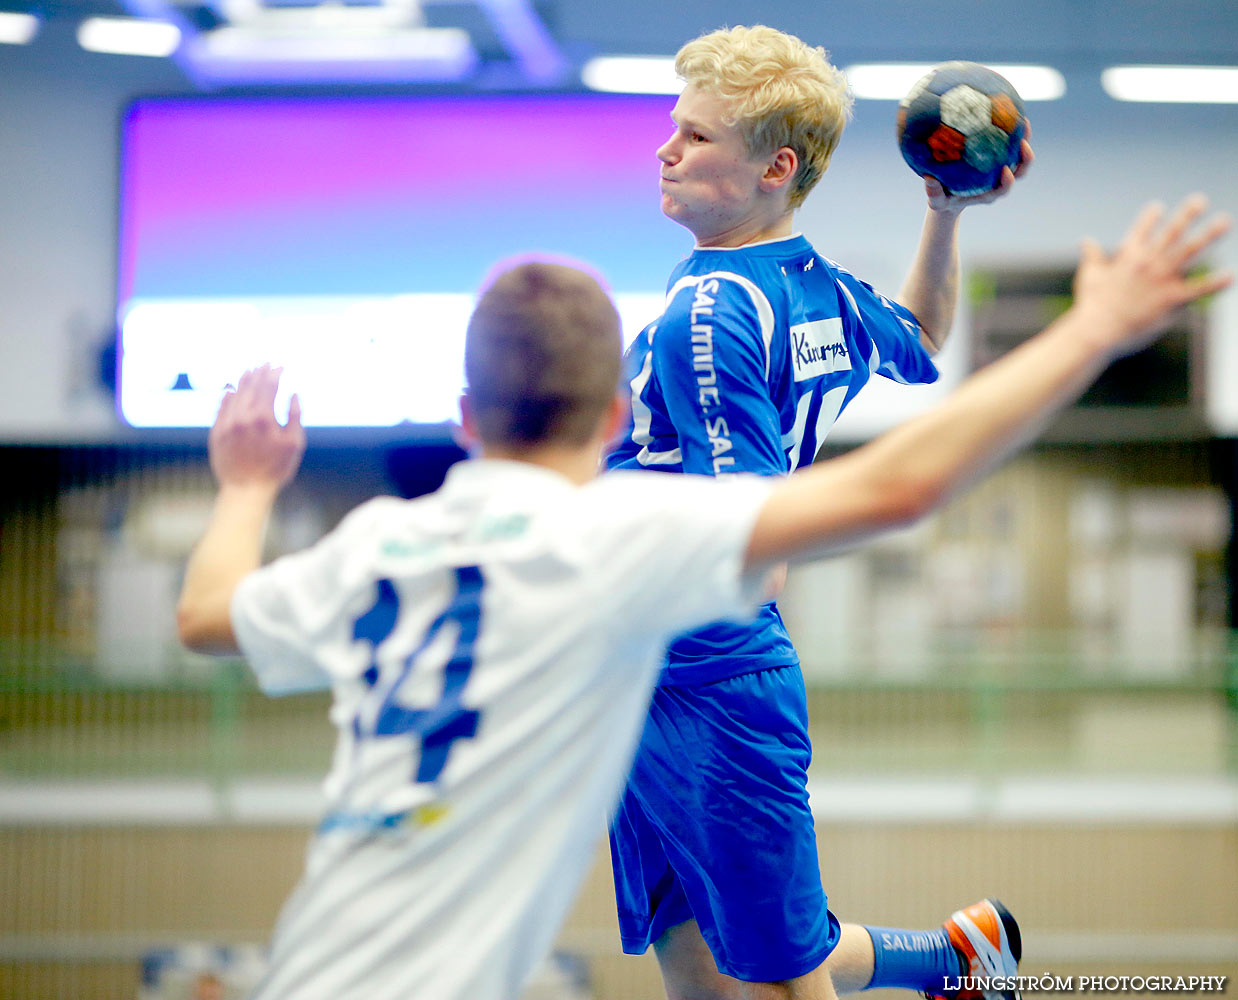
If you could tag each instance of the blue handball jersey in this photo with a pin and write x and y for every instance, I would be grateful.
(758, 351)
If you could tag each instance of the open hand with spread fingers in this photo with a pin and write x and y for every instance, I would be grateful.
(1131, 294)
(248, 445)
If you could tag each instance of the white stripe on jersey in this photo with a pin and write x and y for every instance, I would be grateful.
(642, 417)
(912, 328)
(850, 299)
(765, 312)
(913, 331)
(887, 367)
(831, 406)
(874, 360)
(791, 443)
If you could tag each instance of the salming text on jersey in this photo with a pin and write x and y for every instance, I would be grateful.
(709, 396)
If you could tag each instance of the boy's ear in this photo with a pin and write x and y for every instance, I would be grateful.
(781, 169)
(615, 417)
(465, 434)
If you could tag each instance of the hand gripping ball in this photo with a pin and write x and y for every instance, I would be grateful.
(961, 123)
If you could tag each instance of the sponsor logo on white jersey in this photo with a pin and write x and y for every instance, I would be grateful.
(818, 348)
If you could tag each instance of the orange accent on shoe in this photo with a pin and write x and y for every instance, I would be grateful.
(990, 918)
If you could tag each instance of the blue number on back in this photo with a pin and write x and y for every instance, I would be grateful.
(440, 726)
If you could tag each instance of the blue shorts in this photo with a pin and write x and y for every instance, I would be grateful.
(714, 826)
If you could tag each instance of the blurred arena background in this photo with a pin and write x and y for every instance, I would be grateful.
(1035, 695)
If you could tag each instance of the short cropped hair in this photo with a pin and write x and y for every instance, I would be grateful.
(782, 92)
(541, 356)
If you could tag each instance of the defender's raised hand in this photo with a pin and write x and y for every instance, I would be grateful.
(247, 445)
(252, 455)
(1131, 294)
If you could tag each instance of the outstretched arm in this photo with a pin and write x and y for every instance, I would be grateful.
(1122, 302)
(931, 288)
(252, 456)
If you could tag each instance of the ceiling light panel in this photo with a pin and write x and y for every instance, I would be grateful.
(1172, 84)
(17, 29)
(632, 75)
(128, 36)
(892, 81)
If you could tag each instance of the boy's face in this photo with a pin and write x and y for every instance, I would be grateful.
(709, 181)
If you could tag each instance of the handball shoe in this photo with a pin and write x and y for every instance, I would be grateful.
(987, 939)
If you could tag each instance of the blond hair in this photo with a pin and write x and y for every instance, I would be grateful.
(541, 355)
(782, 92)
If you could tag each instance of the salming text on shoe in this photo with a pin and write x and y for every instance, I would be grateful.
(987, 939)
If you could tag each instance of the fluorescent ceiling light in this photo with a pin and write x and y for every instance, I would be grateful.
(892, 81)
(251, 54)
(321, 16)
(128, 36)
(632, 75)
(1176, 84)
(17, 29)
(435, 44)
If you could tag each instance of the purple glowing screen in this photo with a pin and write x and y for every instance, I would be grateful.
(344, 238)
(238, 197)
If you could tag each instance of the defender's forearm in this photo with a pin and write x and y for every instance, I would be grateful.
(230, 549)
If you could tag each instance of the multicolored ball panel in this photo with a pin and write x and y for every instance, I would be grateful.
(962, 123)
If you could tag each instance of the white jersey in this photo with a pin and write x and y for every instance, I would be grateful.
(491, 649)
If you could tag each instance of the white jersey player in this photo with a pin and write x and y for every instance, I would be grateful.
(488, 693)
(492, 648)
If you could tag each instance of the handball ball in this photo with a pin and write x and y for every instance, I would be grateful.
(961, 124)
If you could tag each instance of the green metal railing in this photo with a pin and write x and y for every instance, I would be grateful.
(1034, 703)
